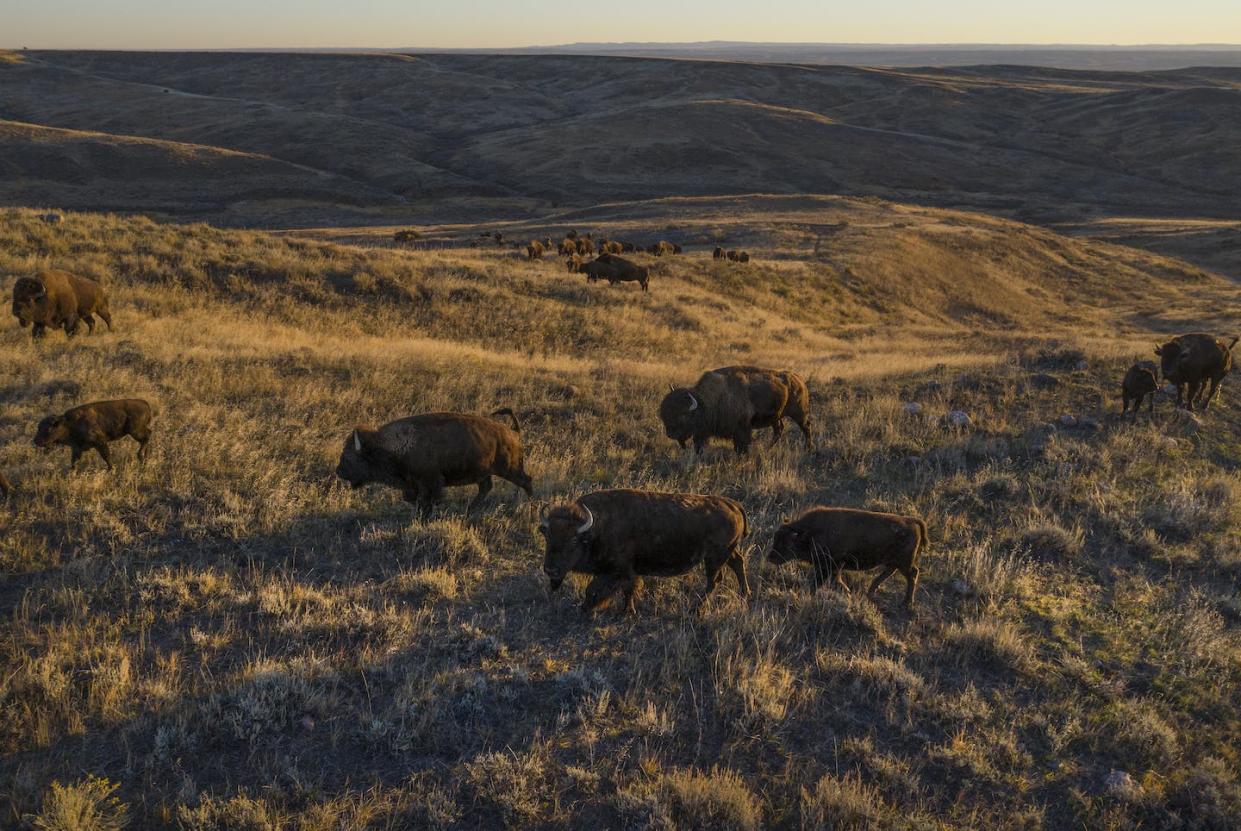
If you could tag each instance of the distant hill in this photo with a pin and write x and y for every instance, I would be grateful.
(355, 138)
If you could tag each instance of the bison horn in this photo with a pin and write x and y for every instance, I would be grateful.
(357, 442)
(693, 402)
(590, 521)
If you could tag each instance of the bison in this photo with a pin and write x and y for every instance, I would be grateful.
(423, 454)
(732, 255)
(58, 299)
(574, 263)
(5, 487)
(52, 218)
(620, 536)
(585, 245)
(661, 248)
(718, 253)
(405, 236)
(94, 426)
(567, 247)
(628, 248)
(835, 539)
(611, 247)
(743, 256)
(1193, 361)
(1140, 382)
(534, 251)
(731, 402)
(617, 270)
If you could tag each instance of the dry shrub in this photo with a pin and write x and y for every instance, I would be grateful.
(992, 576)
(1206, 795)
(989, 641)
(239, 812)
(519, 785)
(85, 805)
(425, 585)
(831, 617)
(688, 798)
(844, 804)
(1051, 542)
(445, 542)
(1139, 731)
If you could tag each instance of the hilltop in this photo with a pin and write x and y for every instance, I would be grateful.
(234, 639)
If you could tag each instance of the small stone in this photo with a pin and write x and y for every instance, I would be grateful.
(912, 408)
(957, 418)
(1120, 783)
(1067, 420)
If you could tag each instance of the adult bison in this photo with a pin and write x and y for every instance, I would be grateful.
(620, 536)
(718, 253)
(423, 454)
(405, 236)
(1193, 361)
(733, 401)
(661, 248)
(585, 245)
(93, 426)
(834, 540)
(54, 299)
(617, 270)
(534, 251)
(567, 248)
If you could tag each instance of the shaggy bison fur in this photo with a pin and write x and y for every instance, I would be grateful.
(1196, 363)
(731, 402)
(58, 299)
(93, 426)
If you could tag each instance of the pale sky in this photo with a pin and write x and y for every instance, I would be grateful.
(202, 24)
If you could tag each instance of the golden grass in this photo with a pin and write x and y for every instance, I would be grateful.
(237, 640)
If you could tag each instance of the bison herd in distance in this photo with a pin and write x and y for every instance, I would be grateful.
(618, 536)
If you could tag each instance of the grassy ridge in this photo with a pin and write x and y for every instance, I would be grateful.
(233, 639)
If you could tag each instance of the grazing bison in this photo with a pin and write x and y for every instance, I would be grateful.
(628, 248)
(732, 255)
(743, 256)
(836, 539)
(611, 247)
(585, 245)
(718, 253)
(405, 236)
(534, 251)
(95, 425)
(1191, 362)
(567, 247)
(423, 454)
(620, 536)
(574, 263)
(1140, 382)
(498, 237)
(731, 402)
(661, 248)
(676, 249)
(617, 270)
(58, 299)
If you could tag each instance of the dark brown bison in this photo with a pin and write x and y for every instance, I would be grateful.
(5, 487)
(611, 247)
(498, 237)
(597, 269)
(567, 247)
(620, 536)
(617, 270)
(743, 256)
(534, 251)
(423, 454)
(661, 248)
(676, 248)
(405, 236)
(628, 248)
(1140, 382)
(572, 234)
(838, 539)
(732, 255)
(718, 253)
(731, 402)
(574, 263)
(585, 245)
(52, 218)
(95, 425)
(58, 299)
(1193, 361)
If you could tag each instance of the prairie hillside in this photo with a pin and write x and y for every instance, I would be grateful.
(449, 137)
(229, 637)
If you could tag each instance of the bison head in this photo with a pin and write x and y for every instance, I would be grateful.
(51, 430)
(790, 543)
(30, 301)
(680, 411)
(569, 532)
(357, 464)
(1170, 356)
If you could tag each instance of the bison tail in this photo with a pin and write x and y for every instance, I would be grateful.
(508, 411)
(923, 539)
(1234, 342)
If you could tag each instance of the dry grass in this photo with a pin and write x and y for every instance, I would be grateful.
(237, 640)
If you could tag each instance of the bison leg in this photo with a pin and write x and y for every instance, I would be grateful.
(742, 439)
(37, 331)
(911, 580)
(883, 575)
(1192, 394)
(712, 571)
(777, 428)
(484, 488)
(106, 316)
(630, 588)
(90, 324)
(838, 577)
(71, 326)
(102, 449)
(74, 456)
(737, 563)
(1211, 395)
(142, 437)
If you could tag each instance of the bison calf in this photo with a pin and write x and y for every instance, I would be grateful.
(95, 425)
(1140, 382)
(423, 454)
(835, 539)
(620, 536)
